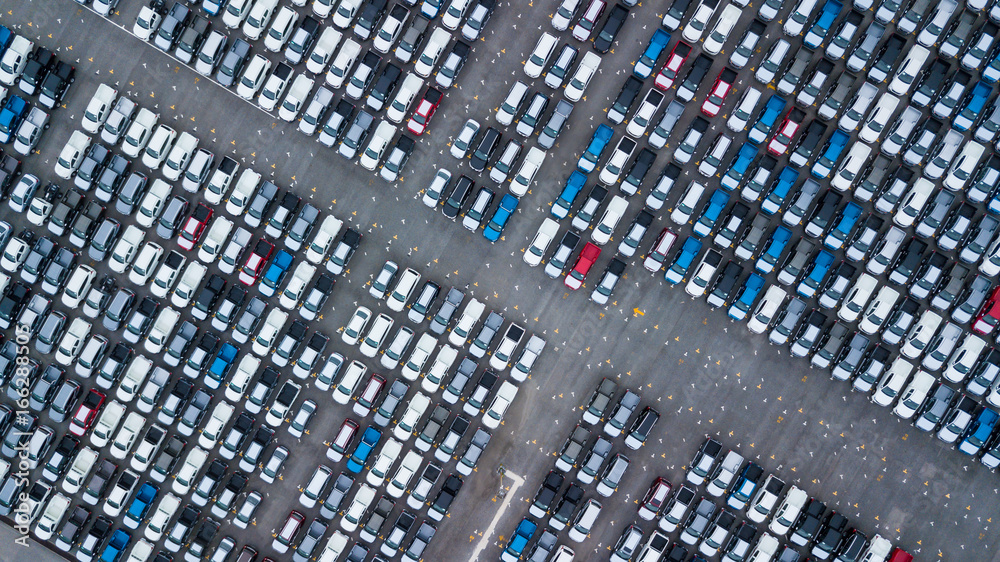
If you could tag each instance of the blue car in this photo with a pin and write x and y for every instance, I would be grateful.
(779, 190)
(501, 215)
(600, 140)
(212, 7)
(563, 203)
(682, 261)
(739, 166)
(831, 155)
(647, 60)
(975, 101)
(276, 273)
(519, 541)
(745, 487)
(775, 247)
(814, 38)
(364, 448)
(140, 505)
(6, 38)
(116, 546)
(843, 226)
(712, 211)
(221, 365)
(768, 116)
(816, 274)
(11, 116)
(979, 432)
(747, 296)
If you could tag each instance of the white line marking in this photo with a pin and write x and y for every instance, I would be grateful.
(485, 541)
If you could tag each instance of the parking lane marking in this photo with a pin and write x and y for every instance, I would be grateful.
(485, 540)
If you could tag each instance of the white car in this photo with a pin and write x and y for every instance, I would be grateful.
(348, 382)
(356, 325)
(138, 133)
(281, 29)
(348, 53)
(407, 92)
(179, 156)
(71, 154)
(321, 242)
(325, 46)
(526, 173)
(158, 146)
(788, 512)
(396, 348)
(107, 423)
(581, 78)
(189, 282)
(14, 59)
(357, 508)
(892, 382)
(699, 21)
(115, 501)
(245, 371)
(125, 249)
(188, 471)
(443, 361)
(258, 17)
(253, 77)
(376, 335)
(164, 325)
(494, 414)
(268, 333)
(459, 336)
(158, 522)
(540, 55)
(346, 10)
(612, 216)
(404, 473)
(383, 462)
(146, 23)
(52, 517)
(79, 471)
(72, 341)
(78, 286)
(511, 105)
(405, 284)
(145, 263)
(539, 244)
(215, 239)
(411, 415)
(126, 435)
(463, 141)
(296, 287)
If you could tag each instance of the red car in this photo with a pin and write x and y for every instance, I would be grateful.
(425, 110)
(340, 443)
(584, 262)
(86, 413)
(655, 498)
(675, 61)
(255, 263)
(723, 84)
(989, 315)
(786, 132)
(195, 226)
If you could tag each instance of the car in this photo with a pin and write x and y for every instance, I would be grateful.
(717, 95)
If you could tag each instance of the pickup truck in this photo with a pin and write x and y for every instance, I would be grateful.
(30, 131)
(221, 365)
(218, 184)
(13, 112)
(97, 109)
(527, 359)
(10, 167)
(140, 505)
(275, 273)
(72, 154)
(118, 120)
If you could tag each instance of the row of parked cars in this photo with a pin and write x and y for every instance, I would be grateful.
(329, 51)
(592, 464)
(808, 525)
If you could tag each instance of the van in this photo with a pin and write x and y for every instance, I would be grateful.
(762, 316)
(768, 67)
(585, 520)
(681, 212)
(540, 55)
(964, 165)
(878, 118)
(744, 109)
(723, 27)
(849, 170)
(909, 70)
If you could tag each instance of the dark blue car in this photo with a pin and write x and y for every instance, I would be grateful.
(501, 215)
(747, 296)
(563, 203)
(369, 440)
(276, 273)
(602, 136)
(11, 116)
(779, 190)
(682, 261)
(775, 247)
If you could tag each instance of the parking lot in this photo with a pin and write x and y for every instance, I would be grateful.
(704, 373)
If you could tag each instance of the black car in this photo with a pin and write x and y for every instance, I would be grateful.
(39, 64)
(625, 99)
(370, 15)
(463, 189)
(807, 143)
(439, 507)
(112, 176)
(302, 40)
(384, 86)
(334, 125)
(724, 284)
(192, 37)
(609, 32)
(570, 500)
(694, 77)
(12, 303)
(398, 157)
(356, 134)
(907, 262)
(831, 534)
(171, 26)
(638, 171)
(208, 297)
(542, 502)
(931, 81)
(56, 84)
(72, 528)
(808, 524)
(363, 75)
(484, 151)
(92, 164)
(344, 251)
(10, 168)
(233, 62)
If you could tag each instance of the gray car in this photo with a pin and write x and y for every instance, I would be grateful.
(554, 126)
(444, 314)
(104, 239)
(171, 218)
